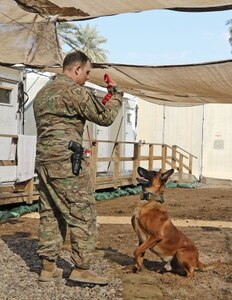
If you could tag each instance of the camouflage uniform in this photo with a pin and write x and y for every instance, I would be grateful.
(61, 109)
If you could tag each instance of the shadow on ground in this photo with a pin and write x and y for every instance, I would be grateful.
(21, 244)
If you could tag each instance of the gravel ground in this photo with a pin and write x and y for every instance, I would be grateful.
(20, 266)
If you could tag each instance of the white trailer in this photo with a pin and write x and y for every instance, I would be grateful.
(17, 150)
(10, 120)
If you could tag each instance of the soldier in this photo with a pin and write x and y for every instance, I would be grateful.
(61, 109)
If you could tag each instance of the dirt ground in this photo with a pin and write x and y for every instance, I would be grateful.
(117, 242)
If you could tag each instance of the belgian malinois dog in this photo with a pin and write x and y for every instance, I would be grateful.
(156, 231)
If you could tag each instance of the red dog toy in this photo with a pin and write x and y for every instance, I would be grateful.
(108, 81)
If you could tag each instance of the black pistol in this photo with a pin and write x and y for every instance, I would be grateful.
(76, 156)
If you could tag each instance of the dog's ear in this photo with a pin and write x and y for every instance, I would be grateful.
(141, 171)
(166, 175)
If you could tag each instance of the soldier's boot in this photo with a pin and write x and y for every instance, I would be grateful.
(87, 277)
(49, 271)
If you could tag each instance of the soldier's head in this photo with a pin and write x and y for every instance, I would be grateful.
(77, 66)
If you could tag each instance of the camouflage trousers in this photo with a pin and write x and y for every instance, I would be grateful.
(66, 200)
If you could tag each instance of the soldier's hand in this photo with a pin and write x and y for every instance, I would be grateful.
(110, 83)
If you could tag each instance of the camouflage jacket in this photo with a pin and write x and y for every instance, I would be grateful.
(61, 109)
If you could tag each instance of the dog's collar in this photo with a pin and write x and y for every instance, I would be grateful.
(151, 196)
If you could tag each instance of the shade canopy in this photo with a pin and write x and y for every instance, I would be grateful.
(70, 10)
(28, 32)
(172, 85)
(28, 36)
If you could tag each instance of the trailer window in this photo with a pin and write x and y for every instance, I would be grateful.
(5, 95)
(128, 118)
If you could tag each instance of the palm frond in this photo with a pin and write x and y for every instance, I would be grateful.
(85, 38)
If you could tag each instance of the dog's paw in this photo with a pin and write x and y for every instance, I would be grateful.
(136, 269)
(163, 270)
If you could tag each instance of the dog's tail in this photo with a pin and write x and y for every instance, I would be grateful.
(207, 267)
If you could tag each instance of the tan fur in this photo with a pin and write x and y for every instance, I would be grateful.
(157, 233)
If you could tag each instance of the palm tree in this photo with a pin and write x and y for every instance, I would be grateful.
(84, 38)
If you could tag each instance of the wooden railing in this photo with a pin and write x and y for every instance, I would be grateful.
(119, 169)
(148, 155)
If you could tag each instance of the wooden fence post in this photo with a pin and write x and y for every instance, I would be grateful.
(181, 168)
(93, 163)
(29, 188)
(164, 158)
(190, 164)
(116, 169)
(136, 158)
(151, 154)
(174, 158)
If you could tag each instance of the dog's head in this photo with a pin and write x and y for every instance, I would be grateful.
(153, 181)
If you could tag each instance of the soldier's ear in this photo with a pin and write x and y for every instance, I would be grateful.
(76, 71)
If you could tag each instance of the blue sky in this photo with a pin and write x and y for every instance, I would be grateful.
(162, 37)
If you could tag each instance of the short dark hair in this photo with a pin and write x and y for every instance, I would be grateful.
(75, 56)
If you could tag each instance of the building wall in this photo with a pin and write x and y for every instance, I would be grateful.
(217, 150)
(183, 127)
(205, 131)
